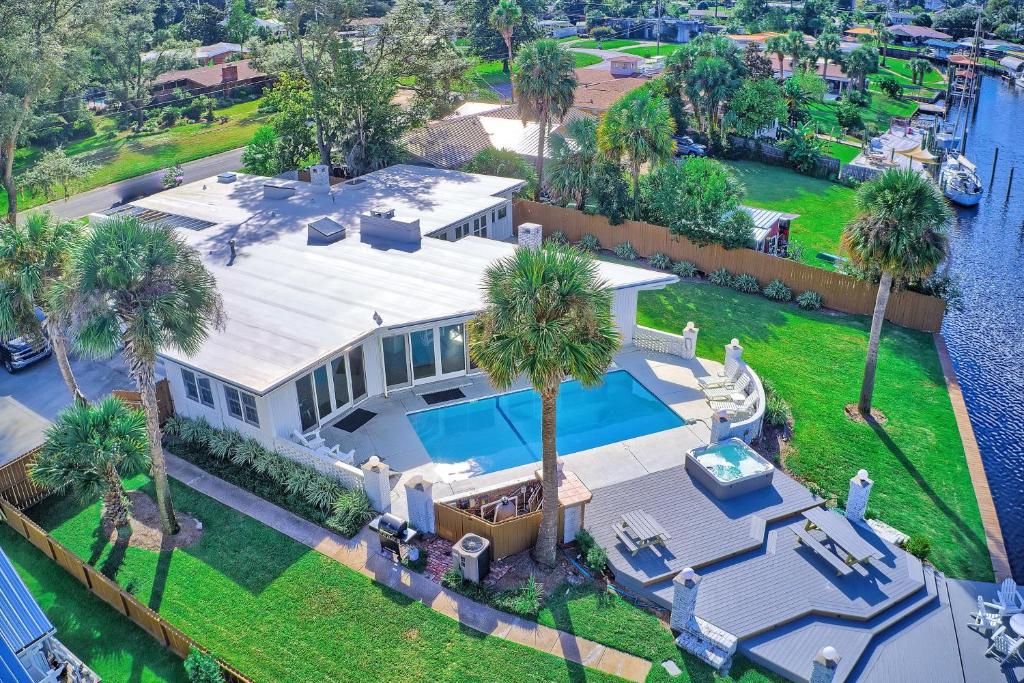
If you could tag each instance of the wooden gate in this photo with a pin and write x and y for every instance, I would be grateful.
(164, 403)
(15, 484)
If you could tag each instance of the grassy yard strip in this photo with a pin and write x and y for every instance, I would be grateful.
(120, 155)
(108, 643)
(606, 618)
(613, 44)
(280, 611)
(881, 109)
(653, 50)
(816, 362)
(824, 207)
(845, 153)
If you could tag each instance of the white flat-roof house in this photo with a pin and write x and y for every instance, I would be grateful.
(334, 295)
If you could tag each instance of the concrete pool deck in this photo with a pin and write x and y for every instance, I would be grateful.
(672, 379)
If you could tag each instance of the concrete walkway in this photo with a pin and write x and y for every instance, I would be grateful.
(356, 555)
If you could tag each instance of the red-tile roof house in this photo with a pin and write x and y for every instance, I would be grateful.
(206, 79)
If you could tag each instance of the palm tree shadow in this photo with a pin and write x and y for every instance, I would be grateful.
(968, 533)
(163, 565)
(115, 559)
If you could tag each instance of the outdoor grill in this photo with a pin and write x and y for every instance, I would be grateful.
(393, 532)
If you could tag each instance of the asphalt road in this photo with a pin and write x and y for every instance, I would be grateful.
(118, 193)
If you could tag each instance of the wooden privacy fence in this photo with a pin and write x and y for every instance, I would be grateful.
(164, 403)
(840, 292)
(106, 590)
(507, 537)
(16, 486)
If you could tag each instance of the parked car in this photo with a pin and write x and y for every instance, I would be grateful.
(20, 352)
(685, 146)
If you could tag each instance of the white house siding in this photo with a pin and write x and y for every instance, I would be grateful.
(497, 228)
(624, 312)
(217, 415)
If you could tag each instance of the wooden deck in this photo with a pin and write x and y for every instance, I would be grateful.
(993, 532)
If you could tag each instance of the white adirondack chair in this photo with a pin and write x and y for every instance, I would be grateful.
(985, 621)
(312, 441)
(1009, 600)
(1005, 646)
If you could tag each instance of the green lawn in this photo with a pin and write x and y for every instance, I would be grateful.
(824, 207)
(845, 153)
(279, 611)
(107, 642)
(816, 361)
(492, 72)
(901, 68)
(613, 44)
(878, 113)
(121, 155)
(607, 618)
(652, 50)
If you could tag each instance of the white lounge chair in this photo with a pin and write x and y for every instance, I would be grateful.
(312, 441)
(741, 384)
(1005, 646)
(734, 409)
(727, 376)
(347, 457)
(985, 621)
(1009, 600)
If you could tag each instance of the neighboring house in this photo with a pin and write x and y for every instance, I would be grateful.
(934, 5)
(625, 65)
(372, 299)
(741, 40)
(916, 35)
(859, 33)
(672, 29)
(834, 76)
(218, 53)
(209, 79)
(29, 649)
(899, 18)
(452, 142)
(557, 28)
(597, 89)
(1014, 66)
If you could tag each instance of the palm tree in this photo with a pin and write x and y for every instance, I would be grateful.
(34, 257)
(778, 46)
(860, 63)
(88, 449)
(796, 47)
(881, 37)
(546, 83)
(504, 18)
(639, 126)
(142, 288)
(547, 316)
(827, 45)
(899, 232)
(919, 68)
(572, 160)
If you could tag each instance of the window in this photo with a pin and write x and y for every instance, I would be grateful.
(242, 406)
(453, 349)
(358, 373)
(492, 216)
(501, 213)
(422, 345)
(307, 403)
(396, 368)
(323, 393)
(340, 377)
(197, 387)
(476, 225)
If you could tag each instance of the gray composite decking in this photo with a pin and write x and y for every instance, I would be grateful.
(704, 529)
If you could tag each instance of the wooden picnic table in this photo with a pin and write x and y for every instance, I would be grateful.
(842, 533)
(639, 530)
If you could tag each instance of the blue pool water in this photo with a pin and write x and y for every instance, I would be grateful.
(504, 431)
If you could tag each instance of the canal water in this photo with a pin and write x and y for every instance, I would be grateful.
(986, 338)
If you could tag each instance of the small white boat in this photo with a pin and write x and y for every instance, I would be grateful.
(959, 180)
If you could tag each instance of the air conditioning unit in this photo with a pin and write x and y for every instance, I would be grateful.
(472, 554)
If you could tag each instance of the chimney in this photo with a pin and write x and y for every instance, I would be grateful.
(823, 668)
(684, 599)
(320, 179)
(857, 499)
(531, 235)
(229, 73)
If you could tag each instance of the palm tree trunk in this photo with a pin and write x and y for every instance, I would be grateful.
(512, 86)
(545, 550)
(782, 69)
(635, 172)
(824, 68)
(539, 165)
(867, 389)
(60, 351)
(158, 466)
(116, 508)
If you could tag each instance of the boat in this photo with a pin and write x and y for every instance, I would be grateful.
(959, 180)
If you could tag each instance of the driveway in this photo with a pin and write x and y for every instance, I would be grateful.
(104, 197)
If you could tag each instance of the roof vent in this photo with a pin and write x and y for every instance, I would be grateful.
(326, 231)
(383, 213)
(228, 177)
(277, 191)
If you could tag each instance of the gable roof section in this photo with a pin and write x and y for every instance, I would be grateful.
(209, 76)
(912, 31)
(22, 621)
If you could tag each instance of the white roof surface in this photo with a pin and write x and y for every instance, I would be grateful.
(290, 305)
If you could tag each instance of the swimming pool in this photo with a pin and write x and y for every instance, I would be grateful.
(499, 432)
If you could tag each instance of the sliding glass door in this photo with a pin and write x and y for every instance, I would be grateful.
(396, 364)
(423, 356)
(424, 364)
(331, 388)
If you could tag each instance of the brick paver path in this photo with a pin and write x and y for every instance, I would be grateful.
(355, 554)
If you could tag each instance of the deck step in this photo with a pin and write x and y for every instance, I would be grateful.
(708, 643)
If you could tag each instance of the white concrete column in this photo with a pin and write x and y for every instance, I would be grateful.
(857, 499)
(377, 484)
(531, 235)
(733, 352)
(419, 500)
(684, 598)
(823, 668)
(721, 426)
(320, 178)
(690, 340)
(572, 522)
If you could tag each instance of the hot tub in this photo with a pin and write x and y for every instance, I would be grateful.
(730, 468)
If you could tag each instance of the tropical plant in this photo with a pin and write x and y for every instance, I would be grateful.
(803, 147)
(87, 451)
(891, 87)
(589, 243)
(503, 163)
(919, 68)
(746, 283)
(34, 258)
(141, 288)
(626, 250)
(900, 230)
(777, 46)
(684, 269)
(546, 83)
(720, 277)
(505, 16)
(557, 237)
(881, 36)
(524, 600)
(639, 127)
(659, 260)
(797, 48)
(757, 105)
(778, 291)
(352, 510)
(827, 48)
(571, 166)
(609, 190)
(706, 72)
(201, 667)
(547, 316)
(809, 301)
(860, 63)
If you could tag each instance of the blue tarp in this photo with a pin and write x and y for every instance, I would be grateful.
(942, 44)
(22, 621)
